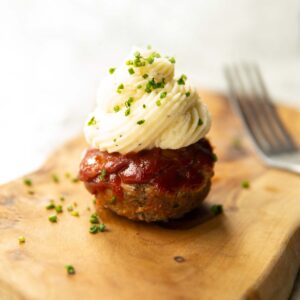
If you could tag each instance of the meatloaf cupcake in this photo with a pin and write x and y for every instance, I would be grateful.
(148, 159)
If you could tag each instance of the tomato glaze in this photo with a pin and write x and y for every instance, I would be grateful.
(167, 170)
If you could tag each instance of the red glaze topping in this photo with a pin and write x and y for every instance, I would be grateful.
(167, 170)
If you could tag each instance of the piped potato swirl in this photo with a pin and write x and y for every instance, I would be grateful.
(143, 105)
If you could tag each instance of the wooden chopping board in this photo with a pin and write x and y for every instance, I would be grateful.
(252, 251)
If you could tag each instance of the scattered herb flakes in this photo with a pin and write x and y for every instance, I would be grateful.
(75, 213)
(188, 94)
(163, 95)
(75, 180)
(139, 86)
(172, 60)
(101, 227)
(111, 70)
(70, 208)
(117, 108)
(145, 76)
(179, 259)
(55, 178)
(127, 112)
(51, 205)
(92, 121)
(144, 106)
(216, 209)
(182, 79)
(53, 218)
(158, 103)
(70, 269)
(131, 71)
(214, 157)
(27, 181)
(94, 219)
(200, 122)
(58, 209)
(94, 201)
(245, 184)
(93, 229)
(140, 122)
(102, 175)
(113, 199)
(21, 239)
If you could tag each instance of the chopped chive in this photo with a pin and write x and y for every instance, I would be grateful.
(139, 86)
(75, 179)
(145, 76)
(129, 102)
(102, 175)
(21, 239)
(55, 178)
(67, 174)
(112, 70)
(101, 227)
(58, 209)
(53, 218)
(130, 71)
(75, 213)
(121, 86)
(200, 122)
(94, 219)
(150, 59)
(113, 199)
(127, 112)
(51, 205)
(245, 184)
(92, 121)
(214, 157)
(27, 181)
(94, 201)
(216, 209)
(114, 140)
(70, 269)
(182, 79)
(188, 94)
(117, 108)
(70, 208)
(137, 54)
(140, 122)
(158, 103)
(144, 105)
(163, 95)
(129, 62)
(94, 229)
(172, 60)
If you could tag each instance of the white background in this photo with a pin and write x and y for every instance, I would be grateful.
(53, 54)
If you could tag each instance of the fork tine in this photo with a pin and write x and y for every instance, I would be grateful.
(272, 115)
(245, 111)
(263, 115)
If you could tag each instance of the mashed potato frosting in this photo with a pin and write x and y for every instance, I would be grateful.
(143, 104)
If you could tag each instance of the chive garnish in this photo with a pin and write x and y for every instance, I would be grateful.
(102, 174)
(140, 122)
(53, 218)
(93, 229)
(113, 199)
(245, 184)
(182, 79)
(21, 239)
(131, 71)
(101, 227)
(117, 108)
(144, 105)
(127, 112)
(58, 209)
(145, 76)
(27, 181)
(187, 94)
(214, 157)
(216, 209)
(75, 213)
(172, 60)
(112, 70)
(200, 122)
(163, 95)
(158, 103)
(70, 269)
(55, 178)
(92, 121)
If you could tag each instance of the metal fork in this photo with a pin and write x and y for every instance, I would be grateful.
(253, 104)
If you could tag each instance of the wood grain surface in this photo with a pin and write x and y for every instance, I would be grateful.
(251, 251)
